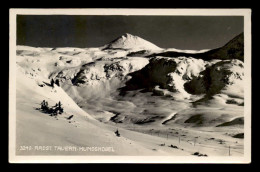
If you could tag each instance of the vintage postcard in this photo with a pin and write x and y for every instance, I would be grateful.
(130, 86)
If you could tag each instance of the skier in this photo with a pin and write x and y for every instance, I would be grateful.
(43, 105)
(59, 104)
(46, 105)
(60, 108)
(117, 133)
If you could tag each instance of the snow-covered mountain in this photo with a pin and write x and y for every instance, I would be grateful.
(131, 42)
(132, 82)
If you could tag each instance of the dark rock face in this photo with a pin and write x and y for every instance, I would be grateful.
(155, 73)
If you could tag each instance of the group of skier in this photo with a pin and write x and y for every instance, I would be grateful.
(54, 111)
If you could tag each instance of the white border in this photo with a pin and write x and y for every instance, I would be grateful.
(129, 159)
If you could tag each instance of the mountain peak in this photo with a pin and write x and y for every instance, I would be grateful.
(127, 35)
(128, 41)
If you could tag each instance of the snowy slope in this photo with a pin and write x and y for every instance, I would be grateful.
(81, 131)
(121, 86)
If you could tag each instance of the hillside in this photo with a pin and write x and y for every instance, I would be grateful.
(234, 49)
(153, 96)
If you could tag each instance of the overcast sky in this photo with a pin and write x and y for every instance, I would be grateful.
(182, 32)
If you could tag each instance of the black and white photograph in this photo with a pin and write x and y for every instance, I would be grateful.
(130, 85)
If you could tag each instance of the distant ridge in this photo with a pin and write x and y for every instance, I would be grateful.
(234, 49)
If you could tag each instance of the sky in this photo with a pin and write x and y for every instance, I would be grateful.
(83, 31)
